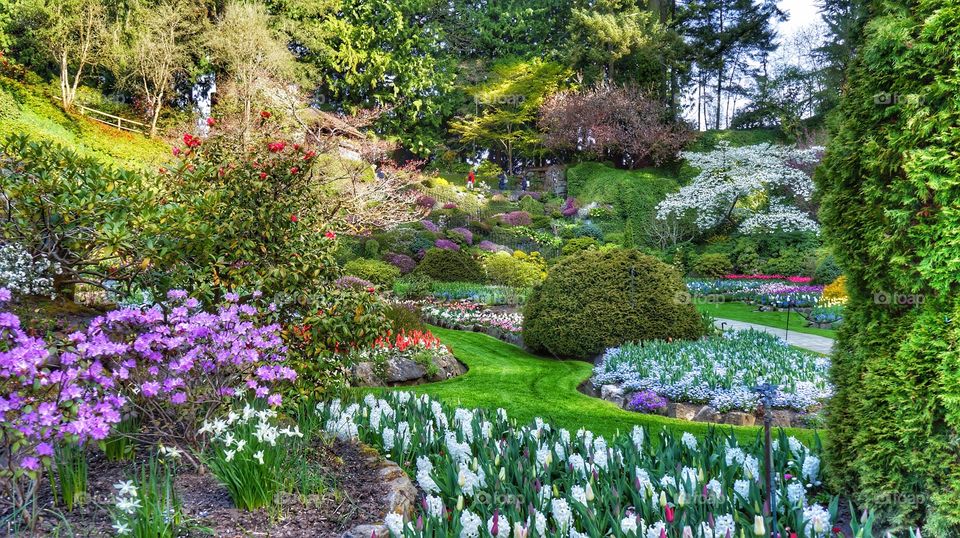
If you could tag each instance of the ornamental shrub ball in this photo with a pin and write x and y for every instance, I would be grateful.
(601, 299)
(379, 273)
(827, 271)
(578, 244)
(518, 270)
(450, 266)
(713, 265)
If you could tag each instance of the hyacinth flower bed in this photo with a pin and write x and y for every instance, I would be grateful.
(719, 371)
(470, 316)
(762, 292)
(482, 474)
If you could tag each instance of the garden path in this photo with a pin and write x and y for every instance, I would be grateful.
(811, 342)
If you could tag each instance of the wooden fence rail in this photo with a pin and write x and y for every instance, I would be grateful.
(114, 121)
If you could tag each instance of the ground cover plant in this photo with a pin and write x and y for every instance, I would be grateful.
(481, 470)
(720, 371)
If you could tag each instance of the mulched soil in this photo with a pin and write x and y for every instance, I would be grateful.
(353, 495)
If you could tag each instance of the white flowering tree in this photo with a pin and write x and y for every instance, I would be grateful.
(757, 188)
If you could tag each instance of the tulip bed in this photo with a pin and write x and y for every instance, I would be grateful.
(471, 316)
(763, 292)
(482, 474)
(720, 371)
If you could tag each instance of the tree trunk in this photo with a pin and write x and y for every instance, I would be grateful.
(65, 95)
(157, 103)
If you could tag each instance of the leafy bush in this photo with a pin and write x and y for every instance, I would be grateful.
(380, 273)
(601, 299)
(461, 235)
(578, 244)
(516, 218)
(404, 317)
(827, 271)
(791, 262)
(517, 270)
(713, 265)
(88, 218)
(531, 206)
(888, 190)
(589, 229)
(450, 266)
(371, 248)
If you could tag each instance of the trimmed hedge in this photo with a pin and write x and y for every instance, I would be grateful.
(450, 266)
(889, 189)
(713, 265)
(600, 299)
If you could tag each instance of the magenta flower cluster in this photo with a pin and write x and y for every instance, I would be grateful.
(446, 244)
(516, 218)
(166, 362)
(569, 208)
(405, 263)
(463, 233)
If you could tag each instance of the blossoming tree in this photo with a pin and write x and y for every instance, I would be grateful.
(750, 188)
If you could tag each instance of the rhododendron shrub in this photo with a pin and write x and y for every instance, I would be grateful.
(46, 395)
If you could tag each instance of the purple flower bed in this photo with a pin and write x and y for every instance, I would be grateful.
(464, 233)
(647, 401)
(450, 205)
(489, 246)
(446, 244)
(516, 218)
(569, 208)
(405, 263)
(426, 202)
(429, 226)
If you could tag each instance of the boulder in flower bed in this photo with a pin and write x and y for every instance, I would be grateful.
(405, 371)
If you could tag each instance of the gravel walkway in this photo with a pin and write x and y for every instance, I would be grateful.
(812, 342)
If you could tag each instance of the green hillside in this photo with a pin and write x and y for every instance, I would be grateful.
(32, 109)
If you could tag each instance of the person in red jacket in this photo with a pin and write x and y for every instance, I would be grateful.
(471, 179)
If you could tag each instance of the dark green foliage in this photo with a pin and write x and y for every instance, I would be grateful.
(713, 265)
(450, 266)
(371, 248)
(791, 262)
(827, 271)
(889, 188)
(589, 229)
(599, 299)
(528, 204)
(381, 274)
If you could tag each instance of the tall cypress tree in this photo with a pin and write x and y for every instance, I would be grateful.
(890, 209)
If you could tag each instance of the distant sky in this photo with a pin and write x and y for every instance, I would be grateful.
(802, 13)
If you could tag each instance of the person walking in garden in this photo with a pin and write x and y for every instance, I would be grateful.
(471, 180)
(503, 181)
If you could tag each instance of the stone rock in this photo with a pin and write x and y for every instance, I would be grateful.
(555, 180)
(403, 370)
(739, 418)
(363, 374)
(707, 414)
(782, 418)
(448, 366)
(400, 496)
(683, 411)
(612, 393)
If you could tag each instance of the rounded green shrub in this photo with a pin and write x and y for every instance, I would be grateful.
(578, 244)
(528, 204)
(601, 299)
(450, 266)
(380, 273)
(713, 265)
(518, 270)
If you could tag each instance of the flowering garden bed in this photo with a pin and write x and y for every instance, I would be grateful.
(480, 472)
(470, 316)
(719, 371)
(405, 357)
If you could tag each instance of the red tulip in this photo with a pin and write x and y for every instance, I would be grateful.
(263, 175)
(211, 122)
(294, 218)
(294, 170)
(176, 151)
(264, 114)
(277, 146)
(163, 170)
(330, 235)
(669, 513)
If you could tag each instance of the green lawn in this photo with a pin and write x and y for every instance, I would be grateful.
(527, 386)
(744, 312)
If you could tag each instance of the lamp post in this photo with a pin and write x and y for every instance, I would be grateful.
(767, 392)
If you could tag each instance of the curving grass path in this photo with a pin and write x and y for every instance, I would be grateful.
(527, 386)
